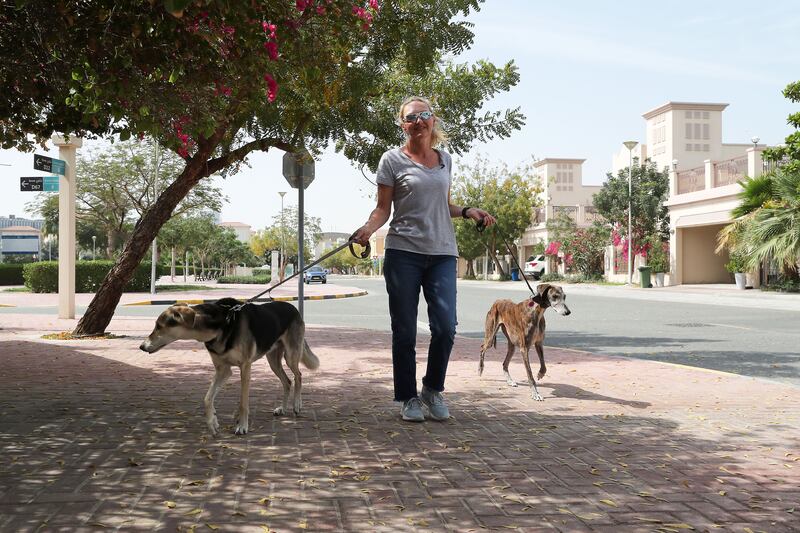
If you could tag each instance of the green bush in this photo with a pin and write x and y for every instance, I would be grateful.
(258, 280)
(583, 278)
(552, 276)
(43, 276)
(657, 257)
(736, 263)
(11, 274)
(261, 272)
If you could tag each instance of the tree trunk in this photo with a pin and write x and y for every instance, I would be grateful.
(172, 265)
(101, 309)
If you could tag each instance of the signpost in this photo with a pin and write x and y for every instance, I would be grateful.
(49, 164)
(31, 184)
(39, 184)
(298, 169)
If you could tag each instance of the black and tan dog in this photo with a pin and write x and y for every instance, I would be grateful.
(523, 325)
(239, 337)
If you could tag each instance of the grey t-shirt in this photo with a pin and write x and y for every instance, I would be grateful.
(421, 221)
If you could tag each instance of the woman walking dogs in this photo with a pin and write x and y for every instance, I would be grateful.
(420, 252)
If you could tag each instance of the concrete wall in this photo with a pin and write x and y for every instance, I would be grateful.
(700, 263)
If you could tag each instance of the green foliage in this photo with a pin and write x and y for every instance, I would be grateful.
(783, 285)
(256, 280)
(657, 256)
(583, 248)
(510, 194)
(43, 276)
(11, 274)
(551, 277)
(737, 263)
(788, 154)
(261, 272)
(649, 188)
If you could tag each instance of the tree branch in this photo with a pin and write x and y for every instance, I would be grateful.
(217, 164)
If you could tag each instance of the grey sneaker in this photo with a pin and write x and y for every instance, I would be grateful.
(412, 410)
(434, 401)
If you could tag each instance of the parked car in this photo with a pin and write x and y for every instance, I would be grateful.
(534, 266)
(315, 273)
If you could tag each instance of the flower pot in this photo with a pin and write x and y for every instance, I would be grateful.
(741, 280)
(659, 279)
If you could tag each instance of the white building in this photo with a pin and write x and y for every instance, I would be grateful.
(563, 191)
(686, 139)
(243, 231)
(329, 240)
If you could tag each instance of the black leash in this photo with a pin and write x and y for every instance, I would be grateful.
(480, 227)
(364, 254)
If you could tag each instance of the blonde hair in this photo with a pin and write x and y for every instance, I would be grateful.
(438, 135)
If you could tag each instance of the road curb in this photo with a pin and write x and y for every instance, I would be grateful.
(7, 305)
(275, 299)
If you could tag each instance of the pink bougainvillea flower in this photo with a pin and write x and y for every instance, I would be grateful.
(272, 87)
(272, 50)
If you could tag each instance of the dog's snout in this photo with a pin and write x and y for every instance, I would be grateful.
(567, 311)
(142, 346)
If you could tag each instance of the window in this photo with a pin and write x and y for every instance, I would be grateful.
(697, 131)
(688, 114)
(697, 148)
(688, 130)
(705, 132)
(705, 115)
(697, 114)
(688, 147)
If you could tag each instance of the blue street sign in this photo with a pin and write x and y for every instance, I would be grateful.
(50, 184)
(49, 164)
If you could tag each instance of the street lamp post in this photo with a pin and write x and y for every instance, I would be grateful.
(94, 247)
(281, 263)
(630, 145)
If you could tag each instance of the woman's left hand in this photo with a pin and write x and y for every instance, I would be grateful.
(478, 214)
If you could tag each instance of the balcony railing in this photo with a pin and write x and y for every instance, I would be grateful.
(691, 180)
(570, 210)
(730, 171)
(539, 215)
(591, 215)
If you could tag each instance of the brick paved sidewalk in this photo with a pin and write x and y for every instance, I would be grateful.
(97, 435)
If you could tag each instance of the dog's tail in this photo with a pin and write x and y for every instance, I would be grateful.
(308, 358)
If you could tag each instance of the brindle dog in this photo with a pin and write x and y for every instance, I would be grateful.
(523, 324)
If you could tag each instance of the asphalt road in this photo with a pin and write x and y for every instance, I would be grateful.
(753, 342)
(763, 343)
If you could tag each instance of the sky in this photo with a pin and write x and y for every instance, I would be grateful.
(588, 69)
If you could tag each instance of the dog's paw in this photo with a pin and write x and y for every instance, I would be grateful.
(511, 383)
(240, 429)
(213, 425)
(541, 374)
(538, 397)
(278, 411)
(298, 406)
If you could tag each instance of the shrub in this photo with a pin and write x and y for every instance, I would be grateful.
(258, 280)
(584, 278)
(11, 274)
(261, 272)
(43, 276)
(736, 263)
(552, 276)
(657, 258)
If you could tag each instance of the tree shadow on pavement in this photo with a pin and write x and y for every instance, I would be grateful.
(100, 435)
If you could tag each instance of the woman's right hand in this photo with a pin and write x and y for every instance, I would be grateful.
(362, 235)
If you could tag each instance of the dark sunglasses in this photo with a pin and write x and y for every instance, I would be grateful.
(412, 117)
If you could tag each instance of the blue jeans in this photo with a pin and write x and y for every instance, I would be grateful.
(405, 272)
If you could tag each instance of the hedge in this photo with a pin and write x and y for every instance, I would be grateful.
(260, 280)
(43, 276)
(11, 274)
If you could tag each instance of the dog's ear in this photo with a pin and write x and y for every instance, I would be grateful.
(541, 294)
(181, 315)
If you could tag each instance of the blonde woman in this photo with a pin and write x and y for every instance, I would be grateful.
(420, 252)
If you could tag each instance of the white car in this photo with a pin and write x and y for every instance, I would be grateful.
(534, 266)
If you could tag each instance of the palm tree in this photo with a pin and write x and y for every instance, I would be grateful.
(774, 229)
(755, 193)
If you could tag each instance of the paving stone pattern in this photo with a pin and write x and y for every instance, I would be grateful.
(98, 436)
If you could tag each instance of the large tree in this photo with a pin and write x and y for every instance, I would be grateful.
(649, 190)
(218, 80)
(282, 235)
(510, 194)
